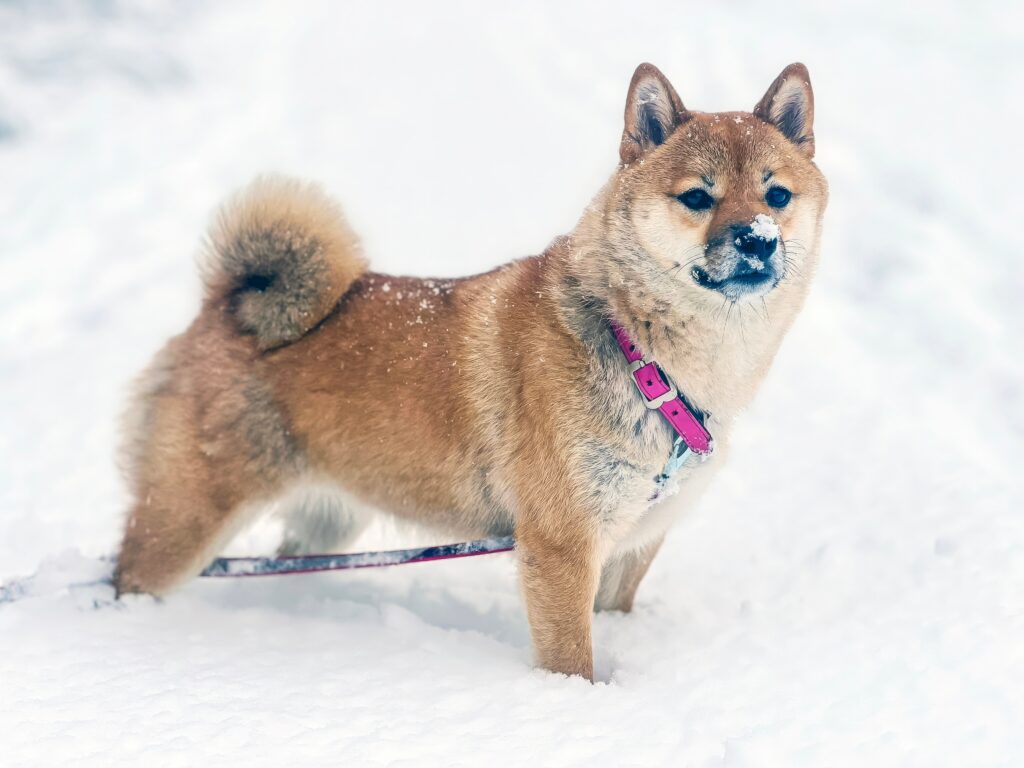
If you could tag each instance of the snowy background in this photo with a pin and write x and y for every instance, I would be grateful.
(850, 593)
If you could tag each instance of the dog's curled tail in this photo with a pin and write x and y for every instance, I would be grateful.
(279, 257)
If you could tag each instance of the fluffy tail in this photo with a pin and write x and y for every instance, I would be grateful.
(279, 257)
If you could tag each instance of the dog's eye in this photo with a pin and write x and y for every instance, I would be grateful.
(778, 197)
(696, 199)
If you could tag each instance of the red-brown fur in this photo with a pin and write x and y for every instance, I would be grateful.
(484, 405)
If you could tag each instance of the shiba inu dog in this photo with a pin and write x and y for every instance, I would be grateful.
(522, 401)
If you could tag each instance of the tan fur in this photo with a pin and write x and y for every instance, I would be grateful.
(292, 238)
(489, 405)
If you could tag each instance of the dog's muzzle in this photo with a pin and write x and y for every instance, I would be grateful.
(749, 263)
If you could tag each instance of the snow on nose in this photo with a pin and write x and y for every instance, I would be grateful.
(764, 227)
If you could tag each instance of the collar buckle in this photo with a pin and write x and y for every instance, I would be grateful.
(660, 394)
(639, 369)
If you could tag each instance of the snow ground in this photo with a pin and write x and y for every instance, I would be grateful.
(850, 593)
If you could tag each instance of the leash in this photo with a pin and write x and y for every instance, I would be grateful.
(240, 567)
(236, 567)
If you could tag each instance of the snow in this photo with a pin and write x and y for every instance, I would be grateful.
(764, 226)
(851, 591)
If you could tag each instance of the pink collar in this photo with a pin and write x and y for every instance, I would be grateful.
(660, 394)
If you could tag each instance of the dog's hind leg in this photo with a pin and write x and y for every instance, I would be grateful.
(201, 463)
(171, 535)
(319, 519)
(621, 576)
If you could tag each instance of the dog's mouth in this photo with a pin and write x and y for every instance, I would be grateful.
(746, 279)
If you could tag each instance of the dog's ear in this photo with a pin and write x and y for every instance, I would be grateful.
(789, 106)
(653, 111)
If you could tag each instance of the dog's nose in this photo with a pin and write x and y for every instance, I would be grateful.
(750, 244)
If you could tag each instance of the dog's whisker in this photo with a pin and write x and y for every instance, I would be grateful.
(725, 325)
(674, 267)
(740, 320)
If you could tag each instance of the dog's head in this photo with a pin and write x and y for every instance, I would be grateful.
(713, 205)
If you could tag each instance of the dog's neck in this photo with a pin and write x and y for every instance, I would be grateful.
(717, 353)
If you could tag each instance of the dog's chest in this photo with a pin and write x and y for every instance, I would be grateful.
(629, 459)
(625, 477)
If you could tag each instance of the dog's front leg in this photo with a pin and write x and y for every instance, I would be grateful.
(559, 576)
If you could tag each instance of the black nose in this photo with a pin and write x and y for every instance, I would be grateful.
(750, 244)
